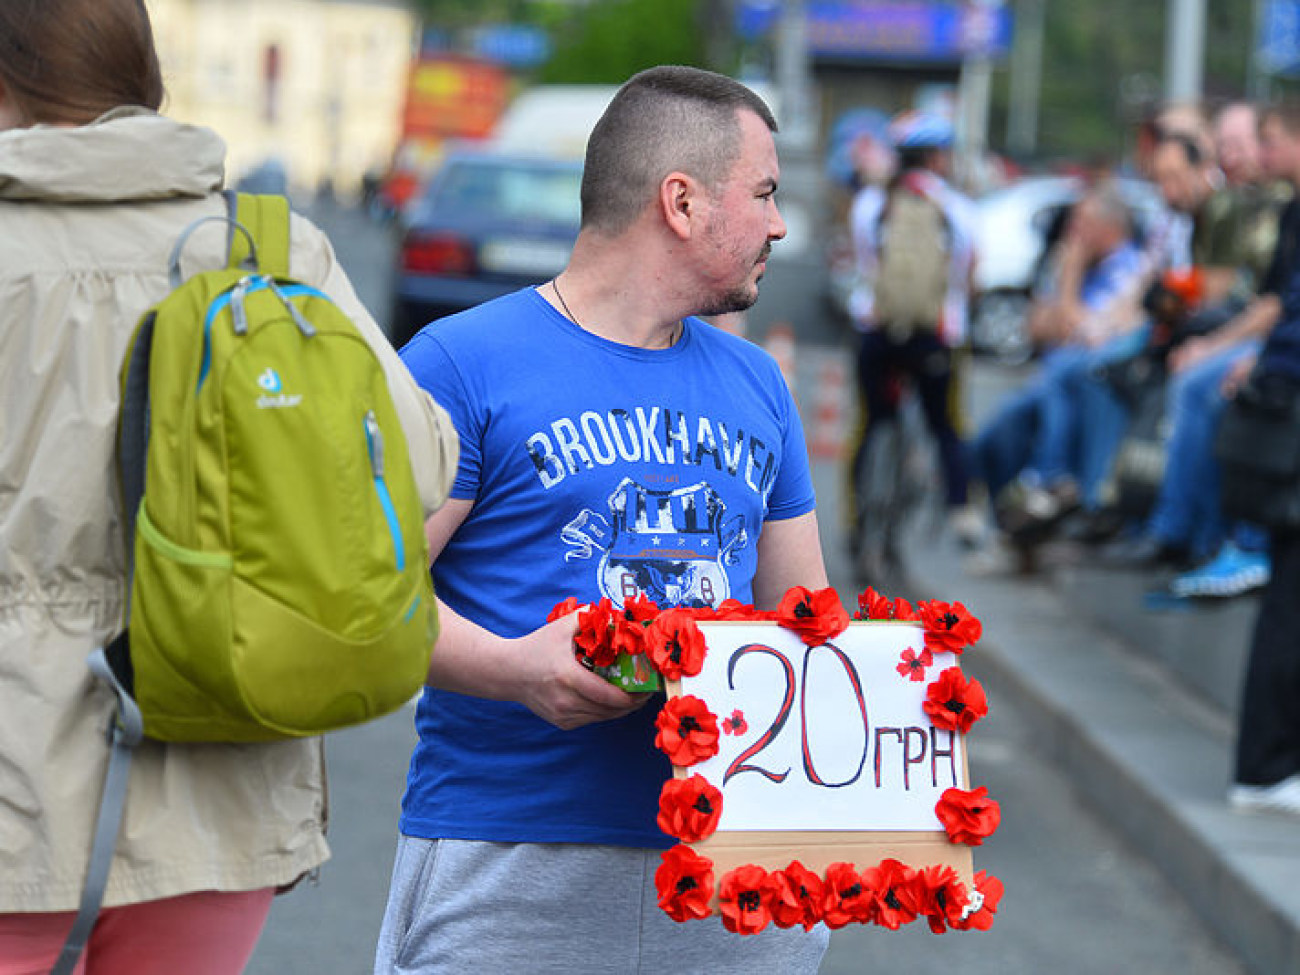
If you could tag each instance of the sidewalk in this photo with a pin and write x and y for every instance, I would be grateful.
(1137, 707)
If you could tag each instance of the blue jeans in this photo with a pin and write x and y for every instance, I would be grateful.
(1063, 422)
(1187, 510)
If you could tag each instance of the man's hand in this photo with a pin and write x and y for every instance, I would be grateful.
(557, 688)
(1190, 352)
(1236, 376)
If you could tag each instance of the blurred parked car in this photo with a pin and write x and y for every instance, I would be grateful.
(1013, 227)
(485, 225)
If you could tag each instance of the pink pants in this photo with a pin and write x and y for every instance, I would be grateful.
(208, 933)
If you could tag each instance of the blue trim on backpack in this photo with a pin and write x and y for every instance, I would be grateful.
(222, 300)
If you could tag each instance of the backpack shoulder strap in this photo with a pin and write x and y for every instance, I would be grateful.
(266, 217)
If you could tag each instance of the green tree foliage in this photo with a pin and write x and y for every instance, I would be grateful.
(1103, 68)
(606, 42)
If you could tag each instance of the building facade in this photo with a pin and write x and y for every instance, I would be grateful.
(316, 87)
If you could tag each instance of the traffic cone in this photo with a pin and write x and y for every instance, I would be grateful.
(827, 429)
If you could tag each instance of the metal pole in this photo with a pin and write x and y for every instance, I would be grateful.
(1184, 50)
(1026, 78)
(794, 78)
(1257, 73)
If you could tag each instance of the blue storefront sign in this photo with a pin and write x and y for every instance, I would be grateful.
(892, 31)
(1277, 47)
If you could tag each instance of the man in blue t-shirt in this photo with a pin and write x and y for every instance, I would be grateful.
(611, 444)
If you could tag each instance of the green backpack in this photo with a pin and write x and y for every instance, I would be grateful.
(280, 584)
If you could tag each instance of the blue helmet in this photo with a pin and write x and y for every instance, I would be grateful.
(920, 130)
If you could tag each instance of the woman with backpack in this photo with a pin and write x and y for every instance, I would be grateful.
(95, 190)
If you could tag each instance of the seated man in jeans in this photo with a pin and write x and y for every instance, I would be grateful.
(1187, 520)
(1035, 435)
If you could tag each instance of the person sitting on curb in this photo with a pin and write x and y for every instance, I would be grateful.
(1030, 445)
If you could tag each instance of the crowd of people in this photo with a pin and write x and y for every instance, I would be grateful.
(1150, 327)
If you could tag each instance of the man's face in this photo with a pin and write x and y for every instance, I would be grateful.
(742, 223)
(1182, 184)
(1279, 150)
(1236, 145)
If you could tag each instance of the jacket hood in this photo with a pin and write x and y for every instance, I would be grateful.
(127, 154)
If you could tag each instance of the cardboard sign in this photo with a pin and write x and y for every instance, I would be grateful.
(826, 754)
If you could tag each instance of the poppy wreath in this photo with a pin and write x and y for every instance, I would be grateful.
(889, 894)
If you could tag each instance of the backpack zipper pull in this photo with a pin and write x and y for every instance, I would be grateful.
(237, 312)
(304, 326)
(375, 443)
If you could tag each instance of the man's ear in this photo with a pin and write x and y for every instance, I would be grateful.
(679, 203)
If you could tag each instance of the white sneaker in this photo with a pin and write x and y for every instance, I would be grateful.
(1283, 797)
(968, 525)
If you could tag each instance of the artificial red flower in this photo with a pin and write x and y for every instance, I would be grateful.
(988, 892)
(845, 896)
(913, 666)
(893, 891)
(626, 636)
(796, 896)
(815, 616)
(689, 808)
(735, 723)
(745, 900)
(949, 627)
(941, 897)
(563, 608)
(734, 609)
(969, 817)
(873, 606)
(688, 731)
(675, 644)
(640, 609)
(684, 880)
(595, 624)
(953, 702)
(901, 609)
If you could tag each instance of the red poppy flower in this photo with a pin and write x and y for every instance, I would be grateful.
(746, 902)
(734, 609)
(593, 639)
(845, 896)
(689, 808)
(953, 702)
(901, 609)
(640, 609)
(562, 609)
(684, 880)
(675, 644)
(949, 626)
(796, 896)
(873, 606)
(735, 724)
(941, 897)
(815, 616)
(626, 636)
(688, 731)
(893, 891)
(913, 666)
(984, 905)
(968, 817)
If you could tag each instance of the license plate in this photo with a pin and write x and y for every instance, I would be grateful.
(539, 257)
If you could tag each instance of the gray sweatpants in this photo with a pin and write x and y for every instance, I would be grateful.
(458, 906)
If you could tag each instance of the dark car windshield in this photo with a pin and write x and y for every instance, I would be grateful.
(509, 191)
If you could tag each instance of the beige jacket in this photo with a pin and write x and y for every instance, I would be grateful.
(87, 218)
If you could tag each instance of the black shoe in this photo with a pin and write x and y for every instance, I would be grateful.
(1094, 527)
(1144, 552)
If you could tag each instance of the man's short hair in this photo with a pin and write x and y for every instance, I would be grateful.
(1286, 113)
(666, 119)
(1109, 206)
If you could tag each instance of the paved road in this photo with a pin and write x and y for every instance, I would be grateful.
(1079, 900)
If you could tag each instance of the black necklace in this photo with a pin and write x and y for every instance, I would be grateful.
(555, 283)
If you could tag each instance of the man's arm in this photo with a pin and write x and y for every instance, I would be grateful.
(538, 670)
(1256, 320)
(789, 554)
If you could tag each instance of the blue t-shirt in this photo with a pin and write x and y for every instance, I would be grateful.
(596, 469)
